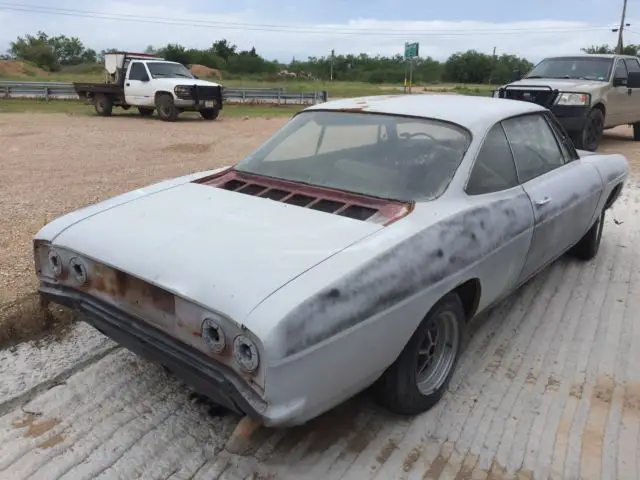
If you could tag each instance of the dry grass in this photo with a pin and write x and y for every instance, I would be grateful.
(56, 163)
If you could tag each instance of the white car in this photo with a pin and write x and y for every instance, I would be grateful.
(351, 249)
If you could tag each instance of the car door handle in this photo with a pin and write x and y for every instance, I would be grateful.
(128, 84)
(544, 201)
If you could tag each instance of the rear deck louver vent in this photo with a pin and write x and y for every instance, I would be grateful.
(357, 212)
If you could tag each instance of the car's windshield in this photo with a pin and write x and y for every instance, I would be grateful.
(582, 68)
(168, 70)
(386, 156)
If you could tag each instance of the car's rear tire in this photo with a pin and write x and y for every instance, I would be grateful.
(636, 131)
(103, 105)
(406, 388)
(588, 246)
(166, 107)
(210, 113)
(145, 112)
(591, 134)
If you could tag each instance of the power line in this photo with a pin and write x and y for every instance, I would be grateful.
(282, 28)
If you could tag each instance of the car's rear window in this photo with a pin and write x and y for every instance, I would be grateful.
(403, 158)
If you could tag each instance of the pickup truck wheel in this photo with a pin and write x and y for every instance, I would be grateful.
(418, 378)
(145, 112)
(591, 134)
(588, 246)
(210, 113)
(166, 108)
(636, 131)
(103, 105)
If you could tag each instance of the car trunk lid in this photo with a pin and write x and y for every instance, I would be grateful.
(219, 248)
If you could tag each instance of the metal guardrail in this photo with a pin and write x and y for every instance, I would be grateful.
(65, 91)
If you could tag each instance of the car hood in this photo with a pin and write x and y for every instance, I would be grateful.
(223, 250)
(562, 84)
(172, 82)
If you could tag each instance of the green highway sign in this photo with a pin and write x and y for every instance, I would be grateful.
(411, 50)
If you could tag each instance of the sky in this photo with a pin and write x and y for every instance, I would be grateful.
(286, 29)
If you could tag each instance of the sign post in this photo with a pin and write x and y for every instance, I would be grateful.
(411, 51)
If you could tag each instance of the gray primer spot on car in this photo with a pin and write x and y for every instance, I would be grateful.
(406, 269)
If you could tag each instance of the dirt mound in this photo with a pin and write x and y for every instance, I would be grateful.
(17, 68)
(205, 72)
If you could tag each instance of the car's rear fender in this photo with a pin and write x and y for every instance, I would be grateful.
(613, 169)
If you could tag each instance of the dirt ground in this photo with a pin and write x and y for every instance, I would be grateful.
(53, 164)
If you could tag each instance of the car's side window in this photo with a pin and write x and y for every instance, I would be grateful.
(493, 169)
(633, 65)
(621, 70)
(534, 146)
(137, 72)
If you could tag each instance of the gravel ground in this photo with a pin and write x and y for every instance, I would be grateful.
(55, 163)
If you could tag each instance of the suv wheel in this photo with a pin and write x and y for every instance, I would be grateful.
(636, 131)
(591, 134)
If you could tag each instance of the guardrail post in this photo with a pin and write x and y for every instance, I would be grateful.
(325, 96)
(6, 92)
(244, 96)
(46, 94)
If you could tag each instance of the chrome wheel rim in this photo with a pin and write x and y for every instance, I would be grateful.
(437, 352)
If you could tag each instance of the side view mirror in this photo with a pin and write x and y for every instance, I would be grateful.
(516, 75)
(619, 81)
(634, 80)
(196, 77)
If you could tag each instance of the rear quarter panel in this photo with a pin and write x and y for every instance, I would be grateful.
(345, 321)
(613, 168)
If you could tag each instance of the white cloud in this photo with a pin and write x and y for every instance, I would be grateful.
(99, 33)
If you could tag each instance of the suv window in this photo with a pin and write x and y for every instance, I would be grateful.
(138, 72)
(632, 65)
(534, 146)
(621, 70)
(494, 169)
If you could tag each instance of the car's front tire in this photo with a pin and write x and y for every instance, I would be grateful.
(588, 246)
(210, 113)
(418, 378)
(166, 107)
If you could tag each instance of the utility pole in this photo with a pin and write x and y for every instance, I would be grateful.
(493, 65)
(332, 55)
(624, 13)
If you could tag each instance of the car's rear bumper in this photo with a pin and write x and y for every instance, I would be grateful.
(206, 376)
(572, 118)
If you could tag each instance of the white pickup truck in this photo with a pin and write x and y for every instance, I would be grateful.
(151, 83)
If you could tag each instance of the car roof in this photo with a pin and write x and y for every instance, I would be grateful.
(591, 55)
(471, 112)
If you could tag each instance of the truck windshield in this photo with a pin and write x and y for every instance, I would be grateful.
(583, 68)
(168, 70)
